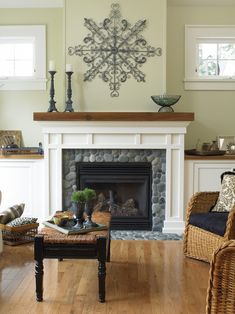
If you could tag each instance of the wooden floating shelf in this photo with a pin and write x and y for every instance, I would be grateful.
(22, 156)
(113, 116)
(220, 157)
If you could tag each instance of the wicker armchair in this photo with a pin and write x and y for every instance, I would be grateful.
(199, 243)
(221, 287)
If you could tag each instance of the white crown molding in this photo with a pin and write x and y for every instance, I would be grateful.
(21, 4)
(212, 3)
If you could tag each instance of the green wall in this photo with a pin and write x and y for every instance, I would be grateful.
(17, 107)
(133, 96)
(214, 110)
(65, 27)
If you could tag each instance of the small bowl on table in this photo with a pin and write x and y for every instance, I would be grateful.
(60, 220)
(166, 101)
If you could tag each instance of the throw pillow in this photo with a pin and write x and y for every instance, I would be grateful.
(22, 221)
(213, 222)
(11, 213)
(226, 199)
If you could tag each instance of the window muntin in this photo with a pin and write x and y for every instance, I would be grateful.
(23, 57)
(17, 57)
(216, 59)
(209, 57)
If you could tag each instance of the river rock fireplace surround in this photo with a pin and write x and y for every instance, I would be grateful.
(117, 131)
(129, 182)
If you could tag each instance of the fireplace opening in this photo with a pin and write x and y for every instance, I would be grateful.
(122, 188)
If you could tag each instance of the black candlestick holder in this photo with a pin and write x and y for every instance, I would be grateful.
(69, 103)
(52, 103)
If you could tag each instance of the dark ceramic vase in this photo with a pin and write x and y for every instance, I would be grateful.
(88, 223)
(78, 210)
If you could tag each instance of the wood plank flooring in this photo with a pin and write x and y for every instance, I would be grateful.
(142, 277)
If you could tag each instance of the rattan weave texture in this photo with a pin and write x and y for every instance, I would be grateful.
(198, 243)
(221, 287)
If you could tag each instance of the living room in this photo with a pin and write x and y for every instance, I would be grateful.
(100, 80)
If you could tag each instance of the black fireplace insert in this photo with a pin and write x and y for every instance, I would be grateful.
(123, 188)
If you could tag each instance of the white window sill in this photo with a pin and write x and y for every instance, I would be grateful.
(23, 84)
(209, 84)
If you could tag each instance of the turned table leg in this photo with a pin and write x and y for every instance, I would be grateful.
(101, 250)
(109, 247)
(38, 256)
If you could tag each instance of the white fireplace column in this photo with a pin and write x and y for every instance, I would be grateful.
(168, 135)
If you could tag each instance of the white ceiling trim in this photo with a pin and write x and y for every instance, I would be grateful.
(12, 4)
(212, 3)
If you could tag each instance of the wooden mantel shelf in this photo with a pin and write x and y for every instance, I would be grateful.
(113, 116)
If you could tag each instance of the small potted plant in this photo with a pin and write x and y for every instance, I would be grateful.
(90, 196)
(78, 202)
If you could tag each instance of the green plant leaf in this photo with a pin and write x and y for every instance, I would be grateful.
(90, 194)
(78, 196)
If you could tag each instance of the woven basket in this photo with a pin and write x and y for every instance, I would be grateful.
(20, 234)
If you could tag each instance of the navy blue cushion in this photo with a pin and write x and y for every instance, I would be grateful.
(214, 222)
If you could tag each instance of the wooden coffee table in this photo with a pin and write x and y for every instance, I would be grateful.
(50, 243)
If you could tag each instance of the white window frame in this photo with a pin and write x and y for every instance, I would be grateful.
(12, 4)
(194, 34)
(38, 81)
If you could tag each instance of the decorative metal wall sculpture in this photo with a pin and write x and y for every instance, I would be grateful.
(114, 50)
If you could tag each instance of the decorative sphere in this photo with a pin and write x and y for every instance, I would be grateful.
(165, 101)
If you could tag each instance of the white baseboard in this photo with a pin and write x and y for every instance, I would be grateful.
(173, 227)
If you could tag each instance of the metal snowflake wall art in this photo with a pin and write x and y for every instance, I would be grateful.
(114, 50)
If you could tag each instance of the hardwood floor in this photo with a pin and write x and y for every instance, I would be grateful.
(142, 277)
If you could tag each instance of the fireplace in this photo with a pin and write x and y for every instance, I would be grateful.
(118, 130)
(134, 180)
(122, 188)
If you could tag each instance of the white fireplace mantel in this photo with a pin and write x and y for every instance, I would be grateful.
(97, 130)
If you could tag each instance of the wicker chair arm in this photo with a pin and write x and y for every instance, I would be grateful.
(230, 226)
(221, 288)
(202, 202)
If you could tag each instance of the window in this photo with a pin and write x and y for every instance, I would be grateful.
(209, 57)
(22, 57)
(216, 59)
(16, 57)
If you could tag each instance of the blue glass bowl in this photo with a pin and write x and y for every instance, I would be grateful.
(166, 101)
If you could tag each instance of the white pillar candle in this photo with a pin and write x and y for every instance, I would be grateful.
(51, 65)
(69, 68)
